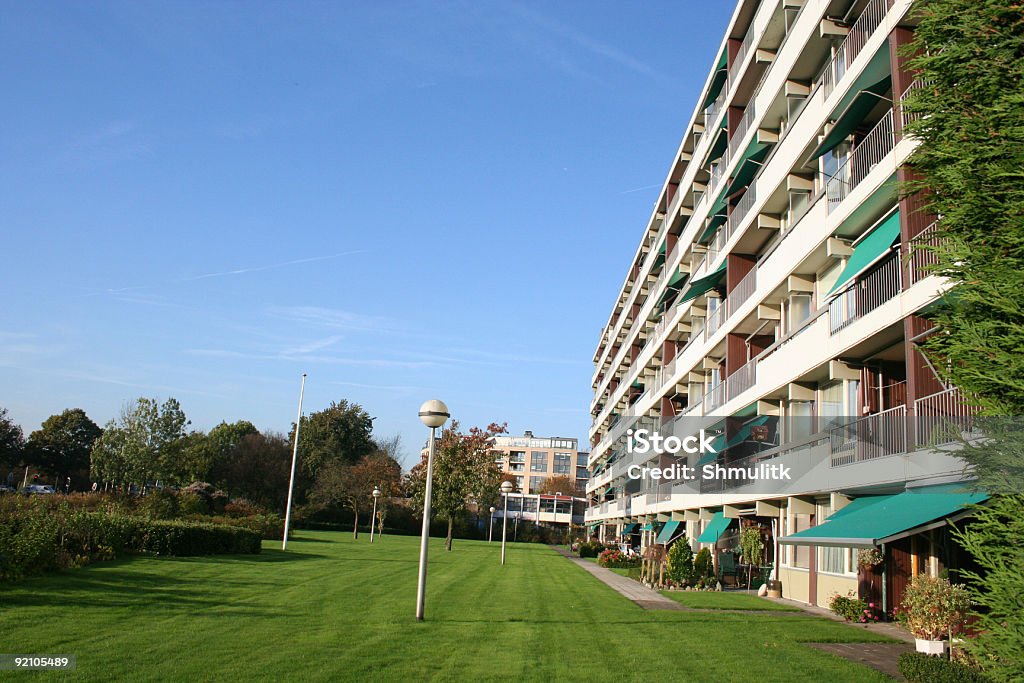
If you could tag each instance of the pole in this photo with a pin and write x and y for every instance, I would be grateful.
(505, 516)
(490, 531)
(295, 455)
(373, 518)
(421, 585)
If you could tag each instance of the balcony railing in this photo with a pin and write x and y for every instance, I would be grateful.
(740, 212)
(865, 294)
(875, 146)
(731, 387)
(736, 139)
(943, 417)
(867, 23)
(743, 290)
(715, 320)
(741, 54)
(874, 436)
(922, 257)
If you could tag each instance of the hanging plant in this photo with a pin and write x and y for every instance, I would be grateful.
(869, 557)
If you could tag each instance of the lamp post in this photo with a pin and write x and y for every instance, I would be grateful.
(433, 414)
(373, 517)
(291, 479)
(506, 488)
(490, 532)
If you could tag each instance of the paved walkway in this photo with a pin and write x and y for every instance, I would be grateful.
(882, 657)
(630, 589)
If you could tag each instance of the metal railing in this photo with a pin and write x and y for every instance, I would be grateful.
(743, 290)
(922, 257)
(715, 320)
(740, 211)
(943, 417)
(716, 108)
(742, 128)
(870, 437)
(731, 387)
(741, 54)
(865, 294)
(867, 23)
(875, 146)
(905, 116)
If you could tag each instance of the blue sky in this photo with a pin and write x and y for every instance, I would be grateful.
(406, 200)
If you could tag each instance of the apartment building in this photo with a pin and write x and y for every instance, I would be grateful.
(532, 460)
(776, 300)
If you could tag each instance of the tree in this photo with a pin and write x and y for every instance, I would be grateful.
(559, 484)
(341, 433)
(680, 561)
(464, 471)
(351, 485)
(144, 444)
(12, 440)
(969, 119)
(258, 468)
(62, 445)
(208, 458)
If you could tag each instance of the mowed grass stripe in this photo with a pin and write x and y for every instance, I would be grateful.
(334, 609)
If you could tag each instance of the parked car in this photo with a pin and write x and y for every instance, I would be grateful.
(38, 489)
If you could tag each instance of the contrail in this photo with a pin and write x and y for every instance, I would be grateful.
(637, 189)
(272, 266)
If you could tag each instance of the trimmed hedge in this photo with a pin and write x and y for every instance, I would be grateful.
(590, 548)
(917, 666)
(38, 537)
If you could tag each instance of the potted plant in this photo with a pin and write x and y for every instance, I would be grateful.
(933, 609)
(869, 558)
(774, 588)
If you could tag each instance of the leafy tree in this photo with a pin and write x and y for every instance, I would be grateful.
(340, 483)
(559, 484)
(464, 472)
(144, 444)
(342, 433)
(209, 454)
(62, 445)
(969, 118)
(11, 440)
(258, 468)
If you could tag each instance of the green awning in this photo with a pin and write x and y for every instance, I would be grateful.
(870, 521)
(647, 527)
(713, 531)
(705, 284)
(851, 117)
(660, 256)
(594, 525)
(611, 490)
(667, 533)
(716, 216)
(675, 283)
(718, 80)
(628, 529)
(717, 446)
(748, 166)
(870, 248)
(743, 433)
(720, 142)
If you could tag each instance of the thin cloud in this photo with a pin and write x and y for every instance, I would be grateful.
(312, 346)
(640, 189)
(314, 359)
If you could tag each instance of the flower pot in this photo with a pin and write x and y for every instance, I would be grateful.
(931, 647)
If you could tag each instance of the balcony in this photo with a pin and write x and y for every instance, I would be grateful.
(867, 23)
(922, 255)
(865, 294)
(874, 436)
(733, 385)
(943, 417)
(869, 153)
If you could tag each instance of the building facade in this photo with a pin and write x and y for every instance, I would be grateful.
(532, 460)
(776, 301)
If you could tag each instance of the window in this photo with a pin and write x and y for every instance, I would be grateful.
(530, 505)
(799, 310)
(799, 420)
(517, 467)
(582, 473)
(538, 461)
(536, 483)
(563, 463)
(581, 459)
(517, 456)
(800, 555)
(519, 483)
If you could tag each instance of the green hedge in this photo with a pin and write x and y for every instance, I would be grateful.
(917, 666)
(37, 538)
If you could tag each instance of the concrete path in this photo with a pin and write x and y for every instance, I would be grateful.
(882, 657)
(628, 588)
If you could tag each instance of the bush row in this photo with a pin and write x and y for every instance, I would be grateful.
(36, 538)
(917, 666)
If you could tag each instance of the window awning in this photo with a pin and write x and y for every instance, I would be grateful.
(872, 520)
(668, 533)
(720, 142)
(713, 531)
(716, 216)
(705, 284)
(717, 446)
(628, 529)
(647, 527)
(660, 256)
(718, 80)
(852, 116)
(870, 248)
(675, 283)
(743, 433)
(748, 166)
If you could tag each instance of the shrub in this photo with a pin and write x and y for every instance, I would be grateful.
(590, 548)
(197, 538)
(703, 565)
(159, 504)
(851, 608)
(191, 503)
(917, 666)
(615, 558)
(932, 608)
(680, 561)
(241, 507)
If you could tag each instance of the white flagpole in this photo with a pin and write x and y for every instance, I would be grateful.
(295, 455)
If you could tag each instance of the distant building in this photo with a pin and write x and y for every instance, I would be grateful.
(532, 460)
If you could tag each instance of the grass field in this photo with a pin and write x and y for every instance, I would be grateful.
(332, 609)
(730, 601)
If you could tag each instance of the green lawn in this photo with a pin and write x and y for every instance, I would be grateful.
(725, 600)
(332, 609)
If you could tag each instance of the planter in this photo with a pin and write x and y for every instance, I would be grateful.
(931, 647)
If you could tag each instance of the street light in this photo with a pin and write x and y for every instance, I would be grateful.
(490, 532)
(433, 414)
(506, 488)
(373, 517)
